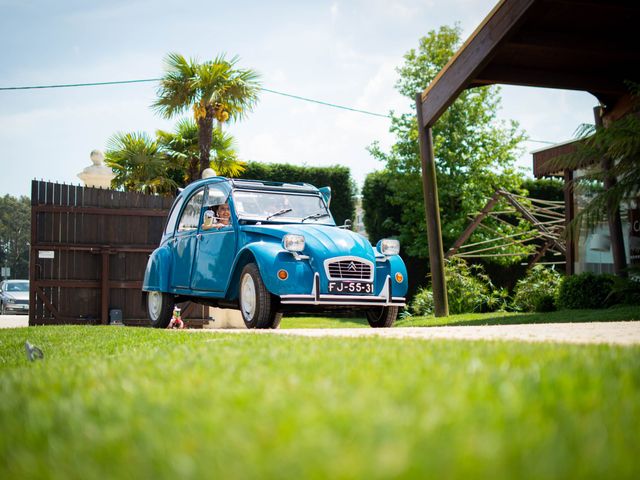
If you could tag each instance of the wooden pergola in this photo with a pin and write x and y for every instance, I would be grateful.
(587, 45)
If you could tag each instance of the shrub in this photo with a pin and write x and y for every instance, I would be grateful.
(585, 290)
(422, 303)
(536, 292)
(469, 290)
(625, 291)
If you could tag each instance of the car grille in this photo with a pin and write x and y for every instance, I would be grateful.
(349, 270)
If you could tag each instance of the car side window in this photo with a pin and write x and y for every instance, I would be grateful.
(217, 214)
(173, 216)
(191, 213)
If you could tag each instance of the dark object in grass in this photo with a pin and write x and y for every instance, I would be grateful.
(586, 290)
(33, 352)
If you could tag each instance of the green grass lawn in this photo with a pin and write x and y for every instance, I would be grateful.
(109, 402)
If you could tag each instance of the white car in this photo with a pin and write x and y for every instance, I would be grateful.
(14, 296)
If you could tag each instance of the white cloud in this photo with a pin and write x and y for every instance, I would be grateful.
(334, 11)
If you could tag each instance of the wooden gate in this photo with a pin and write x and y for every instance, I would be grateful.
(89, 250)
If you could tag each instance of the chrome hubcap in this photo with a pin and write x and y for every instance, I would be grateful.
(247, 296)
(154, 302)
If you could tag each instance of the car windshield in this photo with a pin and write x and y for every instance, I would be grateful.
(17, 287)
(281, 207)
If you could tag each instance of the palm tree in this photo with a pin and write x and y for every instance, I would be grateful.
(181, 146)
(139, 164)
(215, 89)
(618, 143)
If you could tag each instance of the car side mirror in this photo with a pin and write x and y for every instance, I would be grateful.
(347, 224)
(326, 194)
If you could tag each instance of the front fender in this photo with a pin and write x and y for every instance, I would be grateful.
(271, 257)
(396, 265)
(156, 275)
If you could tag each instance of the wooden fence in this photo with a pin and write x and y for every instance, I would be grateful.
(89, 250)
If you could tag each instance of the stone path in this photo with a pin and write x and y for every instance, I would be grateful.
(615, 333)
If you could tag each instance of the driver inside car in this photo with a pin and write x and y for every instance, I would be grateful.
(217, 217)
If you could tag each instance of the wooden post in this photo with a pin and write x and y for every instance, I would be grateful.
(432, 212)
(33, 255)
(613, 211)
(569, 215)
(104, 288)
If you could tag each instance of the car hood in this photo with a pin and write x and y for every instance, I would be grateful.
(17, 295)
(321, 240)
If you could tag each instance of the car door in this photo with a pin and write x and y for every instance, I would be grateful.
(216, 250)
(184, 241)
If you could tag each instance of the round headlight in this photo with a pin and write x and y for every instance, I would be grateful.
(293, 243)
(388, 246)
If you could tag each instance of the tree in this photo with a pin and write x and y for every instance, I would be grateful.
(182, 148)
(380, 218)
(140, 164)
(15, 232)
(475, 152)
(216, 90)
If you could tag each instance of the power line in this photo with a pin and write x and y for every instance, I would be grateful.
(73, 85)
(147, 80)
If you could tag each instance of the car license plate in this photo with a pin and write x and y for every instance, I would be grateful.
(350, 288)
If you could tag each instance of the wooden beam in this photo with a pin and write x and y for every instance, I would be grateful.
(125, 285)
(47, 303)
(104, 289)
(539, 254)
(473, 225)
(533, 220)
(471, 58)
(432, 212)
(32, 254)
(95, 248)
(537, 77)
(125, 212)
(569, 215)
(614, 45)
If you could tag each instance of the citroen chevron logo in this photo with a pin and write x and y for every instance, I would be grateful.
(352, 267)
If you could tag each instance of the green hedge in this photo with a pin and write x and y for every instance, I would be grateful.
(585, 290)
(337, 177)
(381, 219)
(544, 188)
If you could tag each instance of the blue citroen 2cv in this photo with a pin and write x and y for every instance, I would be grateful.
(269, 248)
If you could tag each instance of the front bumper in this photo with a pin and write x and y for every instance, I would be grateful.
(16, 307)
(316, 298)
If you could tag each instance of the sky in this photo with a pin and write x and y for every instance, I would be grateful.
(342, 52)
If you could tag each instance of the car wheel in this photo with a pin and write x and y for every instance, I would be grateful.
(382, 317)
(1, 308)
(160, 308)
(256, 303)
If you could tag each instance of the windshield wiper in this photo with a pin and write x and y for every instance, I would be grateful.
(314, 216)
(279, 212)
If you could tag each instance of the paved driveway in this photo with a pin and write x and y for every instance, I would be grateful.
(14, 321)
(616, 333)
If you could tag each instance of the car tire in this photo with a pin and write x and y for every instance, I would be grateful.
(160, 308)
(257, 305)
(2, 308)
(382, 317)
